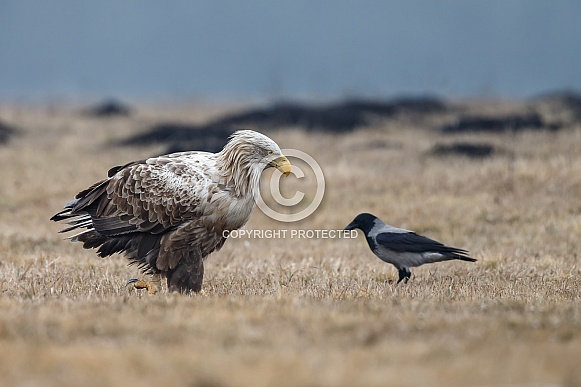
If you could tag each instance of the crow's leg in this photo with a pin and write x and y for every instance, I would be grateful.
(404, 274)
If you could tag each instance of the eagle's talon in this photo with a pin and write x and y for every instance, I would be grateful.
(141, 284)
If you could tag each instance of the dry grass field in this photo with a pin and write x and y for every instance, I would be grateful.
(303, 311)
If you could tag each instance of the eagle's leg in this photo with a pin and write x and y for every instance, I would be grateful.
(404, 275)
(187, 276)
(152, 286)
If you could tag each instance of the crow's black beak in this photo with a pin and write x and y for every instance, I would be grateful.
(351, 226)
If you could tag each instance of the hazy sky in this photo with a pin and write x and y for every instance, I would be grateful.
(220, 49)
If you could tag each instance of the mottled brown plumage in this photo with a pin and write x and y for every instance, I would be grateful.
(167, 214)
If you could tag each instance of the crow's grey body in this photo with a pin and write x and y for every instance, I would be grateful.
(403, 248)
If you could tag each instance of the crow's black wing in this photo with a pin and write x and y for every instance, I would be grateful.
(413, 243)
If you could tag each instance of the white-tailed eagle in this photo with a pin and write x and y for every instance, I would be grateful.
(167, 214)
(403, 248)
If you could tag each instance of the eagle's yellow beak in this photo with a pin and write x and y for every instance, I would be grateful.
(283, 165)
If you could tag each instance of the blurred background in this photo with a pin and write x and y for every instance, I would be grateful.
(231, 50)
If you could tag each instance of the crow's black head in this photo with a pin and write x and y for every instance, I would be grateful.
(364, 222)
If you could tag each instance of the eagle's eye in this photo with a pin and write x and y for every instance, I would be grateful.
(270, 152)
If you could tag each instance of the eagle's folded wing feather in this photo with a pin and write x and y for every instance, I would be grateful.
(151, 196)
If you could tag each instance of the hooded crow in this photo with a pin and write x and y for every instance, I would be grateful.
(403, 248)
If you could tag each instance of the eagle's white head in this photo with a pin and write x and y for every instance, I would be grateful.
(246, 155)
